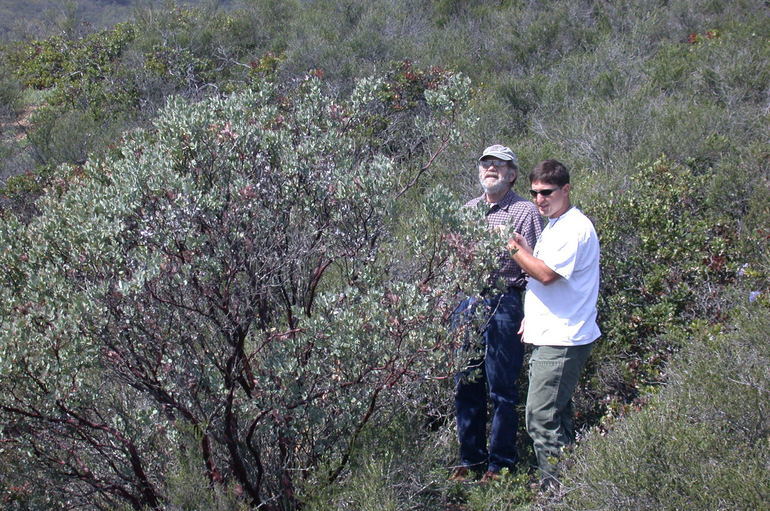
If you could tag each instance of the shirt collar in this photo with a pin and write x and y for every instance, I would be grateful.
(504, 203)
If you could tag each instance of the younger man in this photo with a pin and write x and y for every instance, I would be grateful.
(559, 311)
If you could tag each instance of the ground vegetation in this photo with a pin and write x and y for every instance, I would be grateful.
(230, 247)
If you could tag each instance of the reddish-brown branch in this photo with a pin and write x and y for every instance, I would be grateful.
(351, 443)
(231, 441)
(149, 495)
(424, 168)
(314, 280)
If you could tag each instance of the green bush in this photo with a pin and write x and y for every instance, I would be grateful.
(666, 259)
(49, 62)
(64, 135)
(10, 97)
(218, 275)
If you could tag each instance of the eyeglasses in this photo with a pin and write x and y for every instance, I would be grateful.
(544, 193)
(492, 163)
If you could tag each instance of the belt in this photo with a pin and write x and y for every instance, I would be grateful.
(489, 291)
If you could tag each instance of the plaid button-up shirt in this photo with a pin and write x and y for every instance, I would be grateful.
(520, 213)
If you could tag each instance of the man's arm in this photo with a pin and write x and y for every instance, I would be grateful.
(521, 252)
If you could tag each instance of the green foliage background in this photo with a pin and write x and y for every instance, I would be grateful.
(660, 110)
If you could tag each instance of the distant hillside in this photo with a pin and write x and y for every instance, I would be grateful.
(25, 19)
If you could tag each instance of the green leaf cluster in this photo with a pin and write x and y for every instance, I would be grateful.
(666, 259)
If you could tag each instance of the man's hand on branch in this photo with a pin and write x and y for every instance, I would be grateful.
(518, 242)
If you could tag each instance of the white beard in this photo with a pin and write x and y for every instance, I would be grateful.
(498, 187)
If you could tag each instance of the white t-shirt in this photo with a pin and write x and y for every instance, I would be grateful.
(563, 313)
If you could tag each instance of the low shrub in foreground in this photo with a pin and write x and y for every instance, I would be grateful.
(703, 441)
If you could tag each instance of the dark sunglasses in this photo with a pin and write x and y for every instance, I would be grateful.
(544, 193)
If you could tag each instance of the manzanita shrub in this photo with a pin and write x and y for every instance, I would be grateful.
(227, 289)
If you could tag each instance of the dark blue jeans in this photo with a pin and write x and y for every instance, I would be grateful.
(494, 374)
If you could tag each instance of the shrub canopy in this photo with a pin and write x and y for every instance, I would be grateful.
(230, 285)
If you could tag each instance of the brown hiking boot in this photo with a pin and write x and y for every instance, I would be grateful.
(490, 477)
(461, 475)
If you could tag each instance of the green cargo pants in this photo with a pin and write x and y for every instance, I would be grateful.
(554, 372)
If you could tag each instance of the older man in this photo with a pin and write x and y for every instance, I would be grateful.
(494, 375)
